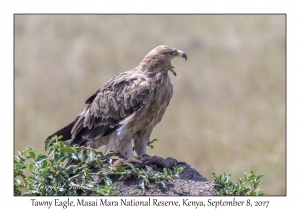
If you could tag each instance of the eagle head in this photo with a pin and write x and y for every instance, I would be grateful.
(161, 57)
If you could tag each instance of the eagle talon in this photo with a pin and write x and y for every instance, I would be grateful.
(155, 160)
(133, 160)
(118, 162)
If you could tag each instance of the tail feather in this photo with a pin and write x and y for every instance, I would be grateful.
(65, 132)
(79, 141)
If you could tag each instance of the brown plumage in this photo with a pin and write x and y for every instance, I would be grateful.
(127, 107)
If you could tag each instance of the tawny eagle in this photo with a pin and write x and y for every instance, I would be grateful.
(127, 107)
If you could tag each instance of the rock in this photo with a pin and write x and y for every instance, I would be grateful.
(190, 183)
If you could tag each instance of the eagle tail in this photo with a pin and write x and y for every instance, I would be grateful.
(65, 132)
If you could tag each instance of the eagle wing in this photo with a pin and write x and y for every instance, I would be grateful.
(112, 105)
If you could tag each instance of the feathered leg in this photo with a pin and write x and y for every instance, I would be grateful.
(141, 139)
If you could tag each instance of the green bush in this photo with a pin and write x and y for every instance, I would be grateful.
(247, 186)
(51, 177)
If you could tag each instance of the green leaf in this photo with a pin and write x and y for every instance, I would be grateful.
(18, 180)
(47, 144)
(130, 165)
(90, 155)
(32, 154)
(29, 179)
(170, 172)
(20, 166)
(120, 169)
(259, 176)
(22, 186)
(71, 168)
(80, 155)
(72, 193)
(66, 143)
(246, 177)
(98, 154)
(165, 171)
(107, 181)
(68, 149)
(51, 150)
(61, 145)
(82, 175)
(45, 171)
(28, 148)
(163, 185)
(41, 158)
(98, 164)
(141, 184)
(256, 184)
(56, 157)
(60, 160)
(31, 192)
(85, 158)
(31, 167)
(149, 169)
(74, 156)
(64, 153)
(180, 169)
(87, 170)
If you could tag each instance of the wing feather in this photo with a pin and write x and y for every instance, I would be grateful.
(116, 101)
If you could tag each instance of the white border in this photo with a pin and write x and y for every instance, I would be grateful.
(8, 8)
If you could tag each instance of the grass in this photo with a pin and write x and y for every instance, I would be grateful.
(228, 108)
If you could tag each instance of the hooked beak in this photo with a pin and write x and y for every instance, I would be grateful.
(181, 54)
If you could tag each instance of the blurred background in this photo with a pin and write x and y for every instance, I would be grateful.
(227, 113)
